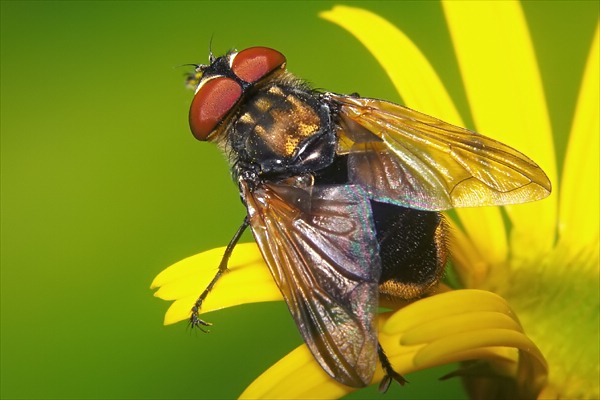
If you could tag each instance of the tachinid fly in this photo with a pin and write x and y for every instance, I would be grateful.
(344, 195)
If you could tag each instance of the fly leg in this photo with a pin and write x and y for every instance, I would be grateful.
(388, 370)
(195, 320)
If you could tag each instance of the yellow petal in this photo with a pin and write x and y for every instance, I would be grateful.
(299, 376)
(410, 72)
(486, 229)
(482, 326)
(580, 191)
(454, 303)
(470, 265)
(296, 376)
(465, 325)
(247, 281)
(456, 324)
(504, 88)
(421, 88)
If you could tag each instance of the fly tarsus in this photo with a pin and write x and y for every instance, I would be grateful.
(195, 321)
(390, 374)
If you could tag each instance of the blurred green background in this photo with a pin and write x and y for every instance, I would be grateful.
(103, 186)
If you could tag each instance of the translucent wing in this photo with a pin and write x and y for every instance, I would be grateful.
(320, 246)
(408, 158)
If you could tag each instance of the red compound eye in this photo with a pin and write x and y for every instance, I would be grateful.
(254, 63)
(211, 104)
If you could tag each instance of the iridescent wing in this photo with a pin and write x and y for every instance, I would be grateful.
(408, 158)
(320, 246)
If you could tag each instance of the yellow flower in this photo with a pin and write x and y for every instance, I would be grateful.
(538, 261)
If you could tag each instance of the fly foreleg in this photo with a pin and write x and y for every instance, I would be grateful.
(195, 320)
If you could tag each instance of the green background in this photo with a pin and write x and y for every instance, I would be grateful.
(103, 186)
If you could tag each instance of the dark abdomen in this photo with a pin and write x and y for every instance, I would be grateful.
(412, 249)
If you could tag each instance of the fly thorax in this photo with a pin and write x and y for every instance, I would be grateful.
(284, 130)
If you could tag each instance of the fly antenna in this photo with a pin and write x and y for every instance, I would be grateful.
(196, 66)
